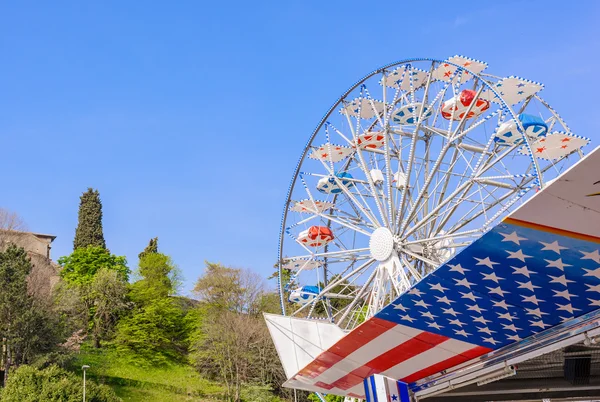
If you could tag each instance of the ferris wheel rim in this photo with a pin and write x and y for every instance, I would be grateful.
(485, 83)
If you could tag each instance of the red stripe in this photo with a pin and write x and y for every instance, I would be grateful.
(413, 347)
(445, 364)
(321, 384)
(356, 339)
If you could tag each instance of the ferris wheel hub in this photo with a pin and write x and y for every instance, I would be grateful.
(381, 244)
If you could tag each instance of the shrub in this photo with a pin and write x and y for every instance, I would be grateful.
(52, 384)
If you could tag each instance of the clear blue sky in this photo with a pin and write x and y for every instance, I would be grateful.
(189, 116)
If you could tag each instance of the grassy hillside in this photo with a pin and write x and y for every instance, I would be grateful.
(174, 383)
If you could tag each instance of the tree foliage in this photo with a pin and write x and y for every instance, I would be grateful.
(232, 343)
(108, 293)
(99, 279)
(52, 384)
(159, 278)
(230, 289)
(151, 248)
(81, 266)
(155, 330)
(25, 329)
(89, 227)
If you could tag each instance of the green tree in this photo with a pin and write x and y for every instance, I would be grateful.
(151, 248)
(89, 227)
(230, 289)
(328, 398)
(232, 343)
(26, 330)
(81, 266)
(52, 384)
(159, 278)
(99, 278)
(108, 292)
(156, 331)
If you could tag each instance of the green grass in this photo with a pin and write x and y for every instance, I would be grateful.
(173, 383)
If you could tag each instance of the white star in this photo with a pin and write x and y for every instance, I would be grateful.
(450, 311)
(485, 330)
(505, 316)
(515, 337)
(557, 264)
(435, 325)
(522, 271)
(469, 295)
(421, 303)
(406, 317)
(531, 299)
(464, 282)
(514, 237)
(458, 268)
(565, 293)
(444, 300)
(461, 332)
(510, 327)
(518, 255)
(592, 272)
(481, 320)
(527, 285)
(594, 255)
(538, 324)
(438, 287)
(456, 321)
(594, 288)
(594, 302)
(415, 291)
(502, 304)
(476, 308)
(497, 291)
(536, 312)
(428, 315)
(486, 261)
(399, 306)
(567, 307)
(554, 246)
(490, 340)
(491, 277)
(560, 279)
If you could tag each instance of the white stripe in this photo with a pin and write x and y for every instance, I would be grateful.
(376, 347)
(439, 353)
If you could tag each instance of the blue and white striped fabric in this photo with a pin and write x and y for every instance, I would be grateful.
(379, 388)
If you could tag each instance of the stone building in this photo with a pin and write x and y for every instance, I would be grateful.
(44, 273)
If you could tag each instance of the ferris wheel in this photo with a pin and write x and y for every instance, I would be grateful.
(410, 165)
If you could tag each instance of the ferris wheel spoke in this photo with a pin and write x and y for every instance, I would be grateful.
(455, 136)
(363, 166)
(411, 153)
(330, 285)
(363, 207)
(338, 254)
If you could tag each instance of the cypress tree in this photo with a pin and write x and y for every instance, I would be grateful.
(151, 248)
(89, 228)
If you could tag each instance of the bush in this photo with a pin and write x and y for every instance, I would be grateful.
(52, 384)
